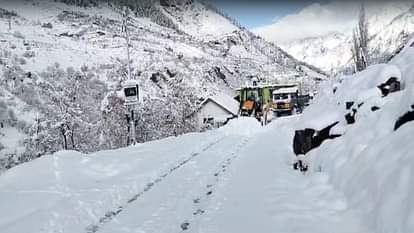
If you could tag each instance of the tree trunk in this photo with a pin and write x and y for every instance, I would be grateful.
(65, 141)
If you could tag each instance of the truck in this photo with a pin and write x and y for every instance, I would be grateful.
(285, 101)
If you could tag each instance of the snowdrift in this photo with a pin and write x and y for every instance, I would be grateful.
(67, 191)
(372, 163)
(243, 126)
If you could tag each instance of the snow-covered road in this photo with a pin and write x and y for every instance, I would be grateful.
(262, 193)
(235, 179)
(183, 195)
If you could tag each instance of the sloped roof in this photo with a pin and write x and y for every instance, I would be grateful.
(226, 102)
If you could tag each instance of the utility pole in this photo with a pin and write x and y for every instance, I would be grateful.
(125, 30)
(132, 106)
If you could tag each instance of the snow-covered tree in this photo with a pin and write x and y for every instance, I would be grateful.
(72, 107)
(360, 42)
(114, 124)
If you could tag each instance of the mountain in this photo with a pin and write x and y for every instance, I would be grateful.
(62, 64)
(390, 24)
(358, 181)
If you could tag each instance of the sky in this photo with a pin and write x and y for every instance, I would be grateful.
(253, 15)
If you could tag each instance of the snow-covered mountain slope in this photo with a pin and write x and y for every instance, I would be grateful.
(327, 52)
(197, 19)
(372, 161)
(180, 52)
(395, 34)
(389, 25)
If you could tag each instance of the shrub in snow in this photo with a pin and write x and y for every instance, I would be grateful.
(29, 54)
(12, 116)
(22, 61)
(82, 3)
(7, 14)
(47, 25)
(18, 35)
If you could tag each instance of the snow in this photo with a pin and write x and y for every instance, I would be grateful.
(404, 62)
(227, 102)
(196, 20)
(10, 137)
(389, 24)
(286, 90)
(90, 37)
(234, 179)
(68, 191)
(371, 164)
(262, 194)
(238, 178)
(364, 84)
(243, 126)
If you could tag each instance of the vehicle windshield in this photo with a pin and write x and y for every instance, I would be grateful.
(252, 95)
(281, 96)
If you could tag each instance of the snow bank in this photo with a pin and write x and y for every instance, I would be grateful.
(404, 61)
(243, 126)
(67, 191)
(363, 85)
(372, 164)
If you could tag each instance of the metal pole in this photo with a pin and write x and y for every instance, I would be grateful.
(130, 108)
(132, 127)
(125, 27)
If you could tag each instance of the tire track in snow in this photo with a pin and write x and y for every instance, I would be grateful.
(202, 201)
(111, 214)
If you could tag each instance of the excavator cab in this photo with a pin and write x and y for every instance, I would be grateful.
(253, 100)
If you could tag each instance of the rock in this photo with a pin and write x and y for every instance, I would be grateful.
(185, 226)
(350, 118)
(407, 117)
(375, 108)
(171, 74)
(308, 139)
(349, 105)
(323, 135)
(390, 86)
(302, 141)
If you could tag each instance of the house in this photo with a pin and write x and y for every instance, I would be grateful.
(216, 111)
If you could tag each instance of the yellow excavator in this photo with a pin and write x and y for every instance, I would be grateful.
(255, 101)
